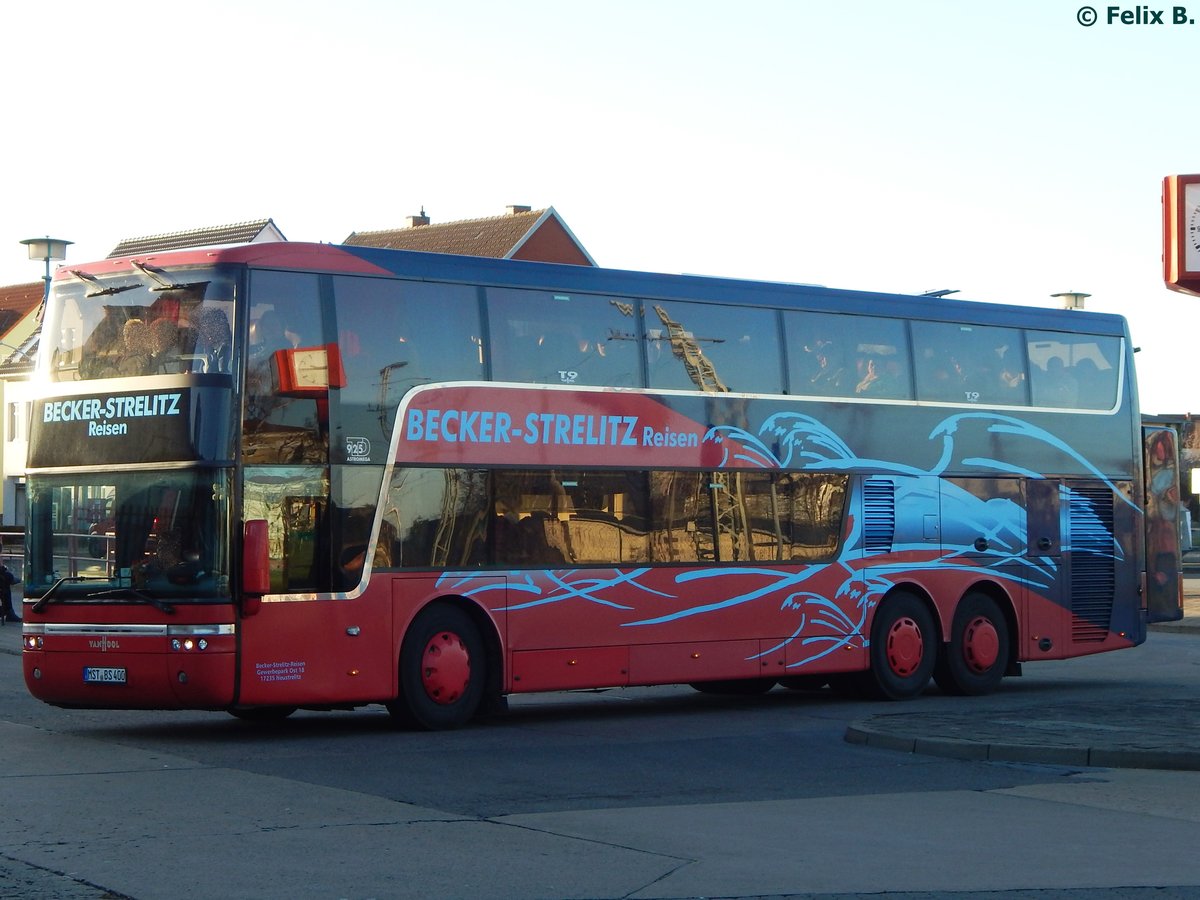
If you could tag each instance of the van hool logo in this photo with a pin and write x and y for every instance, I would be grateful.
(357, 449)
(104, 644)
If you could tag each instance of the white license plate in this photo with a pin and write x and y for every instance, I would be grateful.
(104, 675)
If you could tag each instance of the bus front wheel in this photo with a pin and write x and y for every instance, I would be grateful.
(976, 658)
(442, 670)
(904, 645)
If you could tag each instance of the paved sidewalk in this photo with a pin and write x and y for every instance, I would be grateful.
(1164, 735)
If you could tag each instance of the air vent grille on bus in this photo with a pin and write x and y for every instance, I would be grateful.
(879, 515)
(1093, 562)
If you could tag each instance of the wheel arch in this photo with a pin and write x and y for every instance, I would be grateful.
(918, 591)
(1003, 599)
(486, 625)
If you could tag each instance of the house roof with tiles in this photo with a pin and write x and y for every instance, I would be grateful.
(257, 232)
(521, 233)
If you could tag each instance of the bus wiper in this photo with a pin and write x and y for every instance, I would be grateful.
(162, 282)
(99, 288)
(135, 594)
(48, 597)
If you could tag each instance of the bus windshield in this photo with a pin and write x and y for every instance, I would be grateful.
(144, 322)
(165, 534)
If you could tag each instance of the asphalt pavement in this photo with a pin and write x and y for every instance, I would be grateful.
(1160, 735)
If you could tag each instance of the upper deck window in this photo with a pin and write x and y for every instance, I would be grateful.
(278, 426)
(394, 336)
(146, 321)
(700, 346)
(957, 363)
(563, 338)
(847, 356)
(1075, 370)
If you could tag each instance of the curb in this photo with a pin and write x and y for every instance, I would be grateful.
(862, 734)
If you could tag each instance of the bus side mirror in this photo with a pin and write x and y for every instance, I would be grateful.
(256, 565)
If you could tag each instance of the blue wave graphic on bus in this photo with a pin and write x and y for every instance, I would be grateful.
(833, 618)
(810, 445)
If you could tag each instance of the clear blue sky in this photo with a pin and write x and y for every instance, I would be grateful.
(1002, 149)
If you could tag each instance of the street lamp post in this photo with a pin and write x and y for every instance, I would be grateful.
(46, 248)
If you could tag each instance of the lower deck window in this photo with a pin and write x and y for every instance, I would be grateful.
(472, 518)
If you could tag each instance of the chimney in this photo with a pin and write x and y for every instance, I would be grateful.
(514, 210)
(414, 221)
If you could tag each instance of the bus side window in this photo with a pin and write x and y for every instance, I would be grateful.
(438, 517)
(1076, 371)
(277, 428)
(561, 338)
(860, 356)
(698, 346)
(395, 336)
(969, 363)
(294, 501)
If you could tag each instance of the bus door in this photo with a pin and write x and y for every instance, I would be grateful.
(1166, 529)
(313, 638)
(1044, 616)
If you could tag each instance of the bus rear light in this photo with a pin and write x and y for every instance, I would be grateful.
(33, 641)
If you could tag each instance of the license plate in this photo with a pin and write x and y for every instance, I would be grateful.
(103, 675)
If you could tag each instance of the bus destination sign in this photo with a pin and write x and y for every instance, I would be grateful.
(107, 429)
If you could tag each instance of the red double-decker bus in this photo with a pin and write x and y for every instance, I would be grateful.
(306, 476)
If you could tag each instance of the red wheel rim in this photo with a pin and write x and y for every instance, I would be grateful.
(905, 647)
(981, 644)
(445, 668)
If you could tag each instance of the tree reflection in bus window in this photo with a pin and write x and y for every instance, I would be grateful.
(355, 498)
(437, 517)
(785, 517)
(698, 346)
(558, 517)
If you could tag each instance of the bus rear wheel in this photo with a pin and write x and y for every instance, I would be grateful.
(903, 648)
(442, 670)
(975, 659)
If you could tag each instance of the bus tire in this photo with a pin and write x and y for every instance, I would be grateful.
(904, 645)
(976, 658)
(740, 687)
(443, 670)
